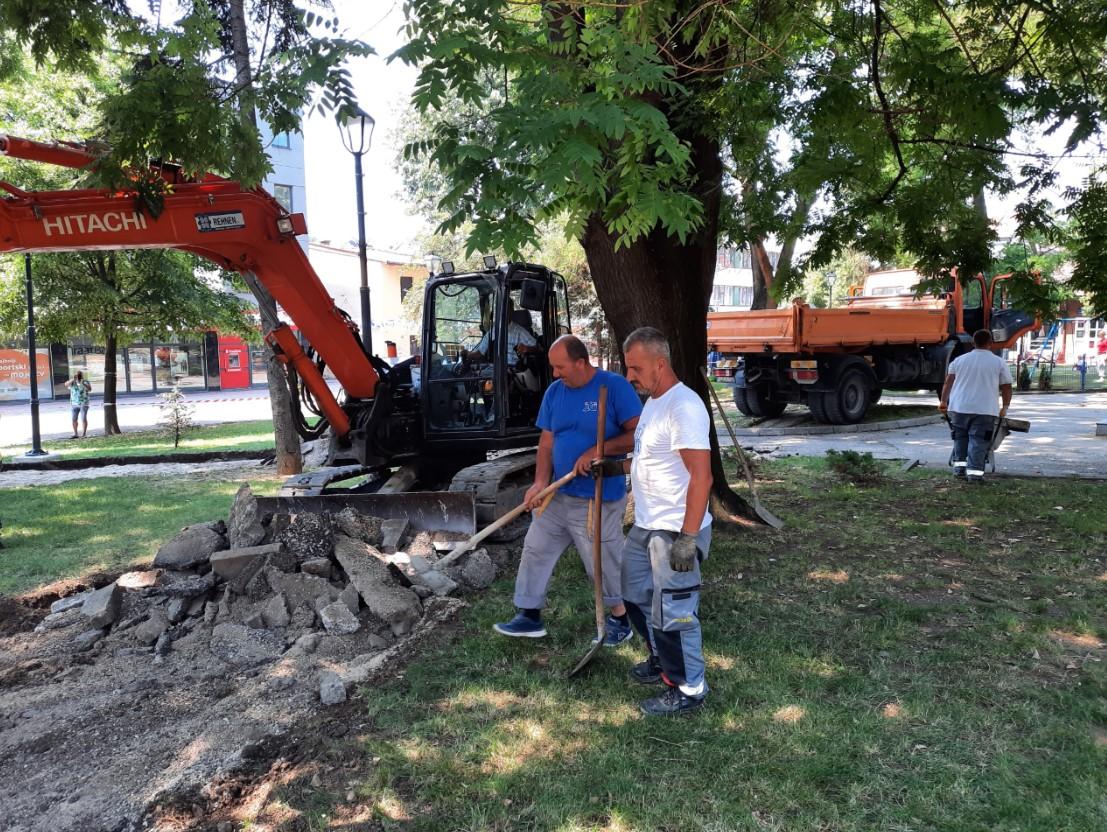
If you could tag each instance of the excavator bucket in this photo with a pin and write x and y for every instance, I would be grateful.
(432, 511)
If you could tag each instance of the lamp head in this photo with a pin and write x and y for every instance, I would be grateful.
(356, 127)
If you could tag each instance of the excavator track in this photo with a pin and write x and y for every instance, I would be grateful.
(497, 487)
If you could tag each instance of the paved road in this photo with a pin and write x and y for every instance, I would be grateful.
(1061, 442)
(134, 413)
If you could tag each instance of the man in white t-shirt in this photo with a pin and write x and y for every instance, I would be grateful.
(670, 478)
(969, 396)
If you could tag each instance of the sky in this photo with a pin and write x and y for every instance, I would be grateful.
(382, 90)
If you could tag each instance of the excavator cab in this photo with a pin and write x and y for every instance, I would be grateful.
(484, 366)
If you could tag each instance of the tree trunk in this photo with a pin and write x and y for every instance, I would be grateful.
(286, 440)
(762, 276)
(111, 382)
(658, 281)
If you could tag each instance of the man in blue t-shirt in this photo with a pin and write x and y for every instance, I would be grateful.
(568, 422)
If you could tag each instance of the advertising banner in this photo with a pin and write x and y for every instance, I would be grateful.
(15, 375)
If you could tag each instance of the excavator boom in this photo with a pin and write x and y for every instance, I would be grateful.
(237, 229)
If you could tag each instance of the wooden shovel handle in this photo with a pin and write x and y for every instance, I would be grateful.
(597, 530)
(464, 547)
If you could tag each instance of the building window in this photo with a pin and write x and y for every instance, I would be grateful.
(406, 282)
(283, 195)
(282, 140)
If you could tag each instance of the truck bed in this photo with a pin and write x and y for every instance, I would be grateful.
(804, 329)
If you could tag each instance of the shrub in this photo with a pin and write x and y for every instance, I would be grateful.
(859, 469)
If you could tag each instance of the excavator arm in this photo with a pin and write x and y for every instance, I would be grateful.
(237, 229)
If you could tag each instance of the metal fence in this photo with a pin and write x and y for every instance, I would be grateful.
(1049, 375)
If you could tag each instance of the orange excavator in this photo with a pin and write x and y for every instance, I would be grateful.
(414, 440)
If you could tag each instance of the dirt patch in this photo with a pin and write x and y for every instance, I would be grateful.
(154, 699)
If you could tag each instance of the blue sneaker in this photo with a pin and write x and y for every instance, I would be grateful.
(617, 632)
(521, 626)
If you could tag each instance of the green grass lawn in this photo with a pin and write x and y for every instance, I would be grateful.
(915, 656)
(235, 436)
(64, 531)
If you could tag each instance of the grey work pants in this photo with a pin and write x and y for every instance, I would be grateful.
(664, 605)
(972, 433)
(565, 522)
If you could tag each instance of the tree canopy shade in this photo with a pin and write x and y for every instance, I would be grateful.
(656, 127)
(180, 96)
(191, 91)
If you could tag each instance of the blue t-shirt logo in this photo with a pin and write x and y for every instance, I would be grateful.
(569, 413)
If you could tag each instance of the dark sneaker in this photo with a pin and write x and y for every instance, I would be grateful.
(672, 703)
(959, 473)
(617, 632)
(647, 672)
(521, 626)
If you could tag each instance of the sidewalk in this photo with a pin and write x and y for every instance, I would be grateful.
(1061, 441)
(213, 407)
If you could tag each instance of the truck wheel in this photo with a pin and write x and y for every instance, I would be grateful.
(742, 402)
(816, 403)
(848, 403)
(758, 401)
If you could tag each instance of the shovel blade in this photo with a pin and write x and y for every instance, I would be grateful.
(591, 654)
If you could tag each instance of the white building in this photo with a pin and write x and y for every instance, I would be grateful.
(391, 276)
(732, 289)
(286, 182)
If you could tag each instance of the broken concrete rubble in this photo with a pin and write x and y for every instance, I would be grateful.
(332, 691)
(174, 584)
(359, 526)
(244, 526)
(230, 563)
(398, 606)
(150, 630)
(349, 596)
(300, 588)
(242, 646)
(101, 608)
(478, 571)
(68, 603)
(275, 613)
(191, 547)
(417, 571)
(338, 620)
(392, 534)
(307, 536)
(320, 567)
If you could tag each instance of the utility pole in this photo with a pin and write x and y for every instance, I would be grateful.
(32, 358)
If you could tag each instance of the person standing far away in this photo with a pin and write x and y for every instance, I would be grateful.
(1101, 355)
(568, 443)
(79, 390)
(671, 482)
(713, 358)
(969, 397)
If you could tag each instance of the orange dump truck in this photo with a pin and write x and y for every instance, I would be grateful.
(838, 361)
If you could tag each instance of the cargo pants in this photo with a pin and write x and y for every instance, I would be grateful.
(664, 605)
(972, 433)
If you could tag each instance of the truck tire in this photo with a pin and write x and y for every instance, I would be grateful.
(760, 404)
(816, 403)
(877, 393)
(741, 401)
(847, 404)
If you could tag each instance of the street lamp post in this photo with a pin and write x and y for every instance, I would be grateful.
(830, 277)
(357, 135)
(32, 356)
